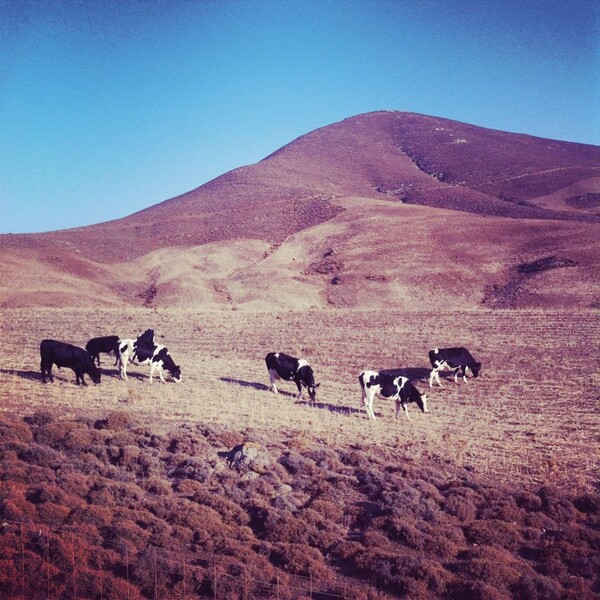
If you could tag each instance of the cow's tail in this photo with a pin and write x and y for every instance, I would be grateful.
(361, 380)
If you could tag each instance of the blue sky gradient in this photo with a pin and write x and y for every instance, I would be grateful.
(109, 107)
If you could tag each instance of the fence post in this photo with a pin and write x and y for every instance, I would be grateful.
(127, 568)
(215, 580)
(47, 564)
(101, 576)
(155, 577)
(184, 583)
(22, 563)
(73, 559)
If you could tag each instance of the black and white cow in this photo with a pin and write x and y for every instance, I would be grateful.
(106, 344)
(67, 355)
(288, 368)
(392, 387)
(144, 351)
(452, 359)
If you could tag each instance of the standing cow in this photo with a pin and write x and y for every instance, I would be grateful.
(144, 351)
(392, 387)
(452, 359)
(288, 368)
(106, 344)
(67, 355)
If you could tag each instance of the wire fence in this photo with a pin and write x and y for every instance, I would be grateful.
(42, 563)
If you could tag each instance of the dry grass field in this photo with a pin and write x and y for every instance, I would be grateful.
(531, 417)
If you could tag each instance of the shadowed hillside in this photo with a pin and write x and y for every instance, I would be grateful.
(219, 243)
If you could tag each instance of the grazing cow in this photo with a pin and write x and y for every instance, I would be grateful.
(144, 351)
(67, 355)
(106, 344)
(288, 368)
(393, 387)
(452, 359)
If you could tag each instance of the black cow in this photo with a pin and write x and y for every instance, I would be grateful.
(288, 368)
(67, 355)
(106, 344)
(392, 387)
(144, 351)
(452, 359)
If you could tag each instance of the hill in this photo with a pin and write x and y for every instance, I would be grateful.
(333, 219)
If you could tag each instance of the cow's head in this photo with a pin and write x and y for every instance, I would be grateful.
(175, 373)
(475, 368)
(312, 391)
(94, 373)
(422, 402)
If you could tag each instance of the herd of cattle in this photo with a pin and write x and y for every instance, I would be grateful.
(143, 350)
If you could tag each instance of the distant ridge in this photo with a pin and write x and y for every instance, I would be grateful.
(399, 156)
(341, 197)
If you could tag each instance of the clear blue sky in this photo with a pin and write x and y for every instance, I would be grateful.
(107, 107)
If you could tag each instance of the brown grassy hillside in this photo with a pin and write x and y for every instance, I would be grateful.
(346, 188)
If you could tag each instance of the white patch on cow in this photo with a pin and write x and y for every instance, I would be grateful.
(302, 363)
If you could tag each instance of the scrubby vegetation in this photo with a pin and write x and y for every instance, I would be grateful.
(104, 507)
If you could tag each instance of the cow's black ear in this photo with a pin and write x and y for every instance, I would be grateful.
(317, 385)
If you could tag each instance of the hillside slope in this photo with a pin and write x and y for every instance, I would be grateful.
(227, 241)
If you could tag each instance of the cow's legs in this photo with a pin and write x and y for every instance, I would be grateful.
(123, 367)
(435, 373)
(404, 407)
(152, 367)
(273, 377)
(299, 386)
(368, 402)
(465, 369)
(45, 368)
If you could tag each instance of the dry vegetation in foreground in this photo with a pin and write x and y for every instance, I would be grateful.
(493, 494)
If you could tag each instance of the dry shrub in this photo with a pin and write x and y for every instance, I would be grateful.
(282, 526)
(588, 503)
(528, 501)
(499, 575)
(494, 533)
(465, 589)
(333, 511)
(300, 560)
(556, 505)
(98, 516)
(230, 512)
(297, 464)
(15, 432)
(461, 507)
(129, 457)
(185, 442)
(52, 514)
(405, 532)
(41, 456)
(500, 506)
(158, 487)
(118, 421)
(54, 434)
(404, 573)
(533, 586)
(40, 418)
(77, 484)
